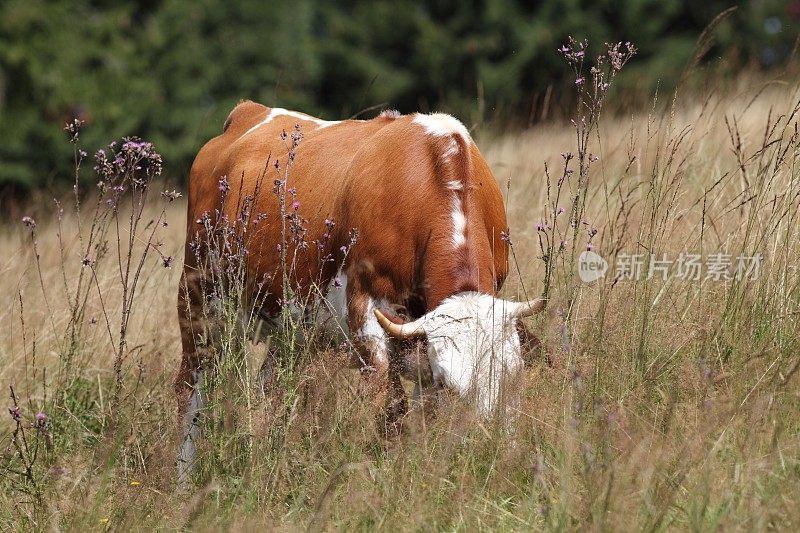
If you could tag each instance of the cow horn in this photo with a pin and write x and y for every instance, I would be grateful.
(523, 309)
(400, 331)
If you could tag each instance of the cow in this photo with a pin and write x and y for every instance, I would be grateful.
(432, 239)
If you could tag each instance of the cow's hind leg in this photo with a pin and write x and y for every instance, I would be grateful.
(189, 386)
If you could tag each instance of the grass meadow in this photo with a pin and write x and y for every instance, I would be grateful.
(670, 403)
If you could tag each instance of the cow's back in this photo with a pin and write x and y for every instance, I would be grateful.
(388, 178)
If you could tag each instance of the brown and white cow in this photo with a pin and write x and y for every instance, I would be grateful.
(429, 216)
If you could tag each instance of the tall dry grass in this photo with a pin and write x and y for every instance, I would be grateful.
(669, 404)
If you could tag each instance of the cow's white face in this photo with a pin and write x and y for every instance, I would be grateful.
(473, 343)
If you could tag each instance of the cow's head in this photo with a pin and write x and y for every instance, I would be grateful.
(473, 343)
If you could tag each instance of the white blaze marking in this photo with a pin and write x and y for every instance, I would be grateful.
(441, 124)
(444, 125)
(276, 112)
(459, 223)
(452, 149)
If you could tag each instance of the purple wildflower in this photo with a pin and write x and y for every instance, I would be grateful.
(29, 222)
(41, 420)
(224, 187)
(589, 246)
(560, 210)
(579, 81)
(15, 412)
(295, 205)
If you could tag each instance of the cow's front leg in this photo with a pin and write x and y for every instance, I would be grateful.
(374, 351)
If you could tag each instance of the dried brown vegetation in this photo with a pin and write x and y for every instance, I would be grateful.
(670, 404)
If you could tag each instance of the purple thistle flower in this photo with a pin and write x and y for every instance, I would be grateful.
(41, 420)
(579, 81)
(540, 226)
(560, 210)
(15, 412)
(86, 261)
(224, 187)
(295, 205)
(589, 246)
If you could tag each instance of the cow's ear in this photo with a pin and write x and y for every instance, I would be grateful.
(532, 348)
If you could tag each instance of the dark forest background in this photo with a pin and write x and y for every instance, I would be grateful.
(170, 71)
